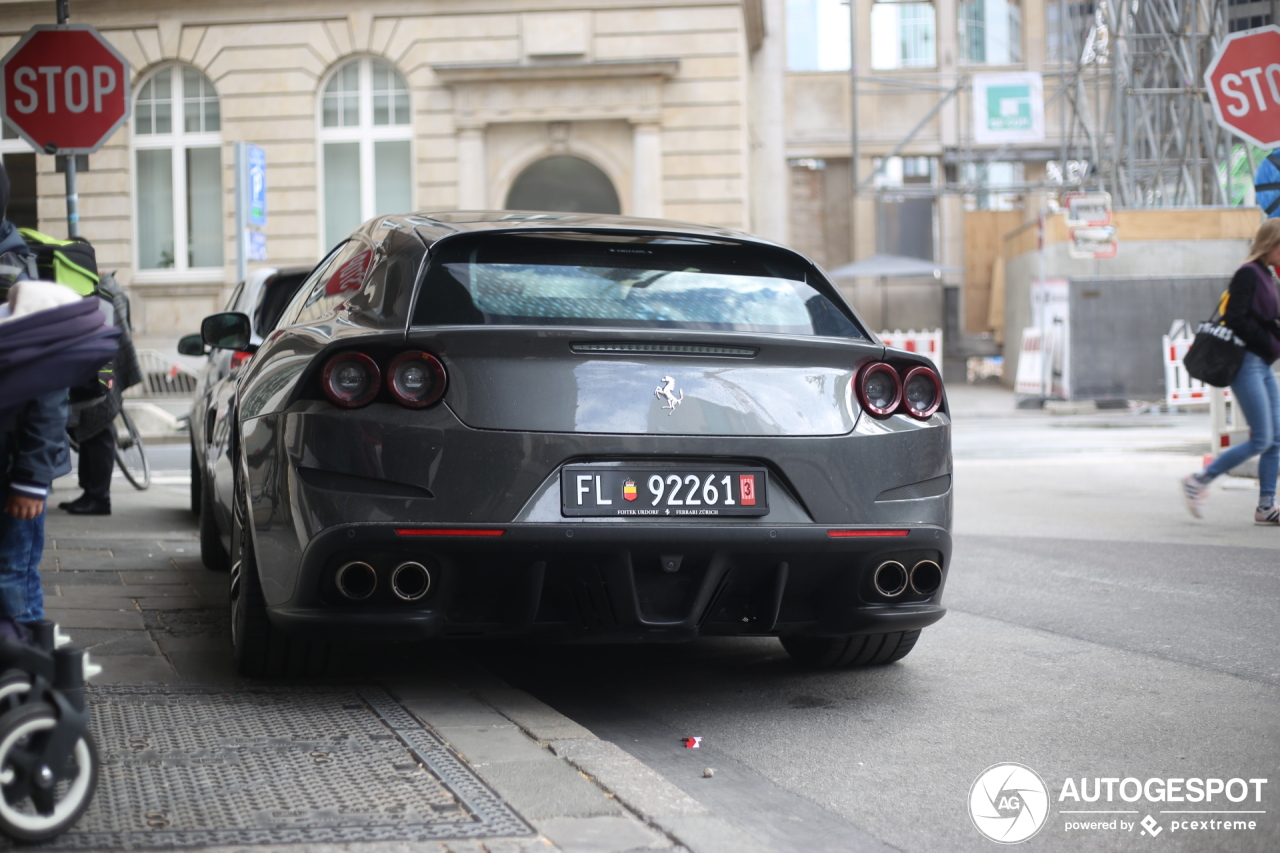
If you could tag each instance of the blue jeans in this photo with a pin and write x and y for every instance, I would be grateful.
(1258, 396)
(21, 545)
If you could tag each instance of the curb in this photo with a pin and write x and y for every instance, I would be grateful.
(657, 802)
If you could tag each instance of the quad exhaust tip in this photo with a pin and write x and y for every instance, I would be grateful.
(356, 580)
(926, 577)
(410, 581)
(890, 578)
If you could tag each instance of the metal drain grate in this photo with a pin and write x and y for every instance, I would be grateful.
(186, 767)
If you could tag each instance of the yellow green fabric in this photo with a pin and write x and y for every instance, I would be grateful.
(65, 270)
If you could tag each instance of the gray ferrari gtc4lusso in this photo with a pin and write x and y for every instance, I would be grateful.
(580, 428)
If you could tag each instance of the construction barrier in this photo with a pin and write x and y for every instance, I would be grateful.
(928, 344)
(1030, 377)
(1179, 388)
(162, 377)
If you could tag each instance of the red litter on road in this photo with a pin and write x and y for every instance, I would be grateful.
(691, 742)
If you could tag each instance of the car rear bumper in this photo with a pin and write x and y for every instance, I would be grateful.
(617, 581)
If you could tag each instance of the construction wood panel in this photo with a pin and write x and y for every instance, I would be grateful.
(984, 232)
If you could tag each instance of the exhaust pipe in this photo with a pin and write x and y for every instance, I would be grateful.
(410, 581)
(356, 580)
(926, 577)
(890, 579)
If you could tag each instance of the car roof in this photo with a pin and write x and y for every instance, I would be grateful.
(432, 226)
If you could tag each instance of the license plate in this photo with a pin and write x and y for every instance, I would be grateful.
(663, 493)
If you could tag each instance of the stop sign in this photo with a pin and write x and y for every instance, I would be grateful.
(65, 85)
(1244, 84)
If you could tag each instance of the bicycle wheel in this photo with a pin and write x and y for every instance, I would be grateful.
(131, 456)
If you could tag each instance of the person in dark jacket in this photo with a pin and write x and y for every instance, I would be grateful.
(33, 453)
(16, 261)
(1253, 314)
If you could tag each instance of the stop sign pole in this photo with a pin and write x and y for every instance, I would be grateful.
(1243, 81)
(66, 90)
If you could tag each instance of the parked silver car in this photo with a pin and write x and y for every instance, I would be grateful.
(263, 296)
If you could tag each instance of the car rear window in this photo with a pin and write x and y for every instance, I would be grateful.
(539, 281)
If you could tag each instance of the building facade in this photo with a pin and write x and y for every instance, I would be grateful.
(669, 109)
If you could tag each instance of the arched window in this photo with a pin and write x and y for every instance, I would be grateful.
(564, 183)
(177, 143)
(365, 133)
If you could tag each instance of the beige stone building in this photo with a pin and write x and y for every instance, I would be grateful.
(728, 112)
(658, 108)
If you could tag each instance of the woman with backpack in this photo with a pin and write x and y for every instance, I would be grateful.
(1253, 314)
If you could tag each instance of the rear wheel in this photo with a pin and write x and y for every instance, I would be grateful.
(858, 650)
(212, 554)
(131, 456)
(257, 648)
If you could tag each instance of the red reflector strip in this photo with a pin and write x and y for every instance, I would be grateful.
(841, 534)
(445, 531)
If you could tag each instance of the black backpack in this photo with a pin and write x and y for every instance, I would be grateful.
(70, 262)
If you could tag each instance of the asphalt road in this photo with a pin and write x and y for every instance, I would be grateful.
(1095, 630)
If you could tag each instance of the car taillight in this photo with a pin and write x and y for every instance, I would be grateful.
(350, 379)
(416, 379)
(239, 360)
(921, 392)
(879, 389)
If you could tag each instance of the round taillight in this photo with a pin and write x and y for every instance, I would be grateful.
(350, 379)
(879, 389)
(921, 392)
(416, 379)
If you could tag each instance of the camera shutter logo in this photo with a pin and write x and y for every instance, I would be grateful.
(1008, 803)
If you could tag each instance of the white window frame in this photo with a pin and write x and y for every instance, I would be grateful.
(178, 141)
(366, 133)
(887, 25)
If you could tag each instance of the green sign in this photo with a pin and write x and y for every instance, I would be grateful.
(1009, 108)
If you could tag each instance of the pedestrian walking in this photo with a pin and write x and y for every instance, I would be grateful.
(1253, 314)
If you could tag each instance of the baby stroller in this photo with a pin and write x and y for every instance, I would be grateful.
(48, 760)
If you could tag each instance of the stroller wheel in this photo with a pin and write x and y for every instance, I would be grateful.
(14, 686)
(34, 805)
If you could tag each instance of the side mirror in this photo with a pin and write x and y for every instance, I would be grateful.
(227, 330)
(191, 345)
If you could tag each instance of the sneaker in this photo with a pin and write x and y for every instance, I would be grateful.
(1266, 515)
(1195, 493)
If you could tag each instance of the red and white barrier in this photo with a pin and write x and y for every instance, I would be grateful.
(1030, 377)
(928, 344)
(1179, 388)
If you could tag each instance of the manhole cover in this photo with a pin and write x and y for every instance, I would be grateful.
(191, 768)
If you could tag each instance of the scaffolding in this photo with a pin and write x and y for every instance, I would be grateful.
(1134, 117)
(1157, 144)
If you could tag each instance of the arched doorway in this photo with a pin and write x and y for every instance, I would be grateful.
(564, 183)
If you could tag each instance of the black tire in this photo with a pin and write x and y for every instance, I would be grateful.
(259, 650)
(131, 455)
(24, 727)
(858, 650)
(197, 483)
(14, 686)
(212, 554)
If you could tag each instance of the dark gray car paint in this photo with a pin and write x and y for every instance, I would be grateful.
(520, 404)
